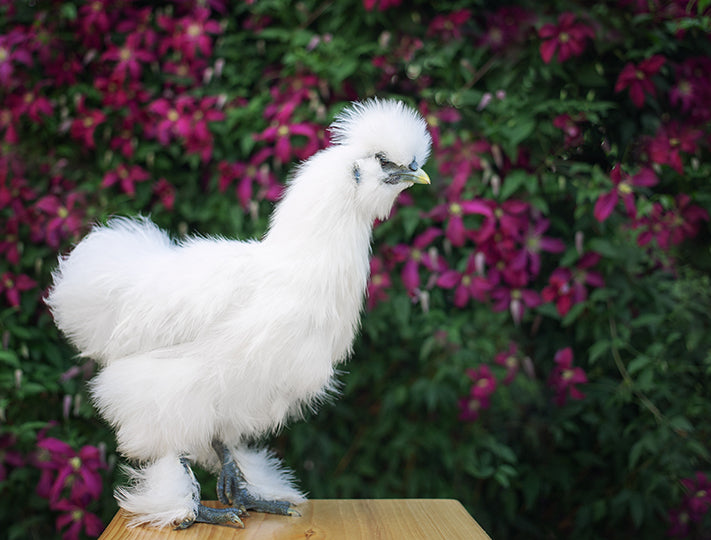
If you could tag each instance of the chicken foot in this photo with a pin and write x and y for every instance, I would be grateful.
(206, 514)
(231, 490)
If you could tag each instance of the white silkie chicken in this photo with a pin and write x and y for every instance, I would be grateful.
(206, 344)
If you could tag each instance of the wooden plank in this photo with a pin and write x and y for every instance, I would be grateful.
(354, 519)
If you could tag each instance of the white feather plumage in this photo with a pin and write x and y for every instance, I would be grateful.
(208, 338)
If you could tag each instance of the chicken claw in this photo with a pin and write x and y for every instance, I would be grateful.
(215, 516)
(231, 490)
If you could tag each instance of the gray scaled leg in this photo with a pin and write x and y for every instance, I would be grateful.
(231, 488)
(205, 514)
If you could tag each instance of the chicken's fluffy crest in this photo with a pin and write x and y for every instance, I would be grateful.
(374, 124)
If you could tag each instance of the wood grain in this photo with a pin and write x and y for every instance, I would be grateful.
(355, 519)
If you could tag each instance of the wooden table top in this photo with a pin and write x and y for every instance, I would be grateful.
(336, 519)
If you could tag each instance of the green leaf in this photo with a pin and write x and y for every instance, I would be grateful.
(638, 364)
(9, 357)
(515, 180)
(597, 350)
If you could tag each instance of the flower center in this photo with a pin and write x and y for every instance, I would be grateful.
(125, 54)
(496, 35)
(75, 462)
(63, 212)
(377, 280)
(88, 122)
(624, 188)
(283, 131)
(455, 209)
(533, 243)
(173, 115)
(3, 54)
(685, 88)
(564, 37)
(466, 281)
(194, 30)
(567, 374)
(639, 75)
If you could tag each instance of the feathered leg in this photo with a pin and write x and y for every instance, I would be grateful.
(205, 514)
(231, 488)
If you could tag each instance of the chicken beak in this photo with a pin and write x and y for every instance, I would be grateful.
(416, 177)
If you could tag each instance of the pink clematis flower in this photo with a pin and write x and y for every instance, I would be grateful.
(281, 132)
(638, 78)
(76, 519)
(255, 179)
(64, 468)
(564, 377)
(129, 58)
(11, 53)
(672, 139)
(416, 255)
(435, 119)
(187, 120)
(193, 33)
(470, 284)
(534, 242)
(507, 27)
(448, 27)
(453, 213)
(567, 287)
(699, 495)
(95, 20)
(12, 285)
(174, 119)
(8, 126)
(9, 245)
(571, 128)
(568, 38)
(31, 104)
(84, 125)
(379, 282)
(480, 393)
(515, 299)
(126, 176)
(165, 192)
(64, 218)
(510, 359)
(382, 5)
(623, 189)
